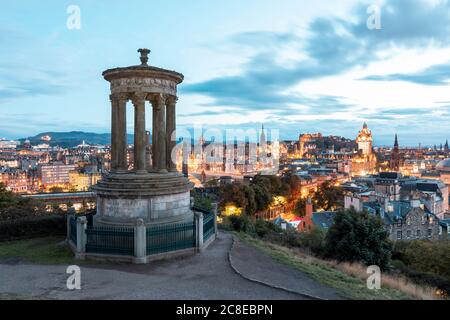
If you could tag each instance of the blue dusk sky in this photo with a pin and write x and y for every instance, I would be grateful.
(297, 66)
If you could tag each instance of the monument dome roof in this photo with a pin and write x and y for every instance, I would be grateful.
(444, 165)
(142, 70)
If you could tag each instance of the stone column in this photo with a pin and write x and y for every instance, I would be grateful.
(153, 132)
(122, 139)
(119, 133)
(139, 132)
(159, 134)
(171, 126)
(114, 133)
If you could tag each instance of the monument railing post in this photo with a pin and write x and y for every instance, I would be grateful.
(81, 236)
(140, 242)
(199, 230)
(70, 214)
(215, 212)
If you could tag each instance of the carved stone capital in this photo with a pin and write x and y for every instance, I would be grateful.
(138, 98)
(119, 97)
(171, 100)
(157, 100)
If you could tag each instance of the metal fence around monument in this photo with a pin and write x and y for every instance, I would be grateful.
(104, 240)
(166, 238)
(73, 229)
(208, 226)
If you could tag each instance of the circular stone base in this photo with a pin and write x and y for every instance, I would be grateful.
(122, 199)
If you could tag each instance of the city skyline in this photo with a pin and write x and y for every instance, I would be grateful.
(310, 70)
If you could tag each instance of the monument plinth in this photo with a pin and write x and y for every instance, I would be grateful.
(156, 193)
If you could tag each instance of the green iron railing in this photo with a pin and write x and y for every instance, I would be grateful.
(73, 229)
(208, 226)
(166, 238)
(103, 240)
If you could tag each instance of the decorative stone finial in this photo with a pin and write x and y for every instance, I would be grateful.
(144, 55)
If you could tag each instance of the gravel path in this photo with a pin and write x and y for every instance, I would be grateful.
(208, 275)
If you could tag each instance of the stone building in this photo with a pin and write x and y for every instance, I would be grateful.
(415, 224)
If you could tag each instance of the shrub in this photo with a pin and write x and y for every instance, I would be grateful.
(359, 237)
(314, 240)
(424, 256)
(242, 223)
(34, 227)
(264, 228)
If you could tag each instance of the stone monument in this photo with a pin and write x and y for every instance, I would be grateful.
(153, 191)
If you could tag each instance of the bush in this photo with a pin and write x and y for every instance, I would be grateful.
(265, 228)
(359, 237)
(314, 240)
(424, 256)
(34, 227)
(242, 223)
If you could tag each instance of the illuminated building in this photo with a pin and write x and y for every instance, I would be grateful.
(55, 175)
(83, 181)
(366, 161)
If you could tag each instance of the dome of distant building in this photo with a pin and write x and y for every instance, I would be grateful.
(444, 165)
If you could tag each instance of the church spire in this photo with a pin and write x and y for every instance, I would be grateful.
(396, 141)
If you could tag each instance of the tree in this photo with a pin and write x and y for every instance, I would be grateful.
(232, 194)
(359, 237)
(300, 207)
(251, 205)
(329, 197)
(291, 186)
(263, 197)
(14, 207)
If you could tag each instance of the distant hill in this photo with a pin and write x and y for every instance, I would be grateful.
(73, 138)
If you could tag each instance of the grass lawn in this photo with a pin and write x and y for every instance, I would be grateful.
(49, 250)
(348, 286)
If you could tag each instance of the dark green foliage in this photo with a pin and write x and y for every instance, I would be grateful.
(242, 223)
(260, 193)
(300, 207)
(329, 197)
(34, 227)
(202, 202)
(264, 228)
(14, 207)
(357, 236)
(424, 256)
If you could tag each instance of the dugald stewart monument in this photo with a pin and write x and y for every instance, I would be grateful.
(154, 192)
(146, 210)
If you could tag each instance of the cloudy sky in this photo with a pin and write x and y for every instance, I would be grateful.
(292, 65)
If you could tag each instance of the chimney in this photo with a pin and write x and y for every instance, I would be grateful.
(308, 208)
